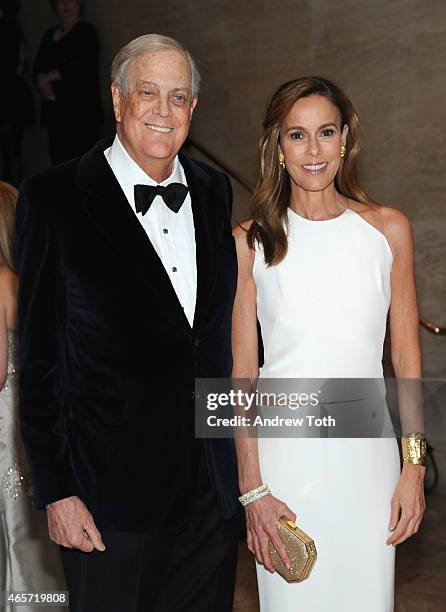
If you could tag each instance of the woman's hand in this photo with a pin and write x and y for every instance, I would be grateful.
(408, 500)
(44, 85)
(53, 75)
(261, 525)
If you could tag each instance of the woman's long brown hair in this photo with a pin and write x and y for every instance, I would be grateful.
(271, 196)
(8, 199)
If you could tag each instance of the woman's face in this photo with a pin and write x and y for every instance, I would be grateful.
(67, 10)
(310, 139)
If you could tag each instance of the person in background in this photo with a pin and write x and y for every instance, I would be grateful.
(66, 75)
(16, 101)
(28, 560)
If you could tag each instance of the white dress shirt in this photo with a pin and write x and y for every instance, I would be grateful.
(171, 234)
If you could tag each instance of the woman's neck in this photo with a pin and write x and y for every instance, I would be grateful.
(67, 24)
(317, 205)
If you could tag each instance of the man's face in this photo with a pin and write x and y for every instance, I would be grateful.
(153, 118)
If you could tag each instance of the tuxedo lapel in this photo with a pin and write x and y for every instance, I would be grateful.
(109, 209)
(206, 233)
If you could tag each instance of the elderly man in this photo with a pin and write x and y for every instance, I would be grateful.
(127, 279)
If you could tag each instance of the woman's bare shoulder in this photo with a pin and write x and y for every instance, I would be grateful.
(394, 219)
(9, 285)
(8, 279)
(390, 221)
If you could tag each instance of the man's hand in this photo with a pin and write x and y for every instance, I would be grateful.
(70, 524)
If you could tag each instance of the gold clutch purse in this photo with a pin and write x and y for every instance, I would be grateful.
(300, 548)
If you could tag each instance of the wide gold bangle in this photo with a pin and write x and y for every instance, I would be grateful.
(414, 448)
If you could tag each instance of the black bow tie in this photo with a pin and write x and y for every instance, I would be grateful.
(173, 196)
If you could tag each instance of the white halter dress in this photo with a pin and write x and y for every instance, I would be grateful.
(323, 312)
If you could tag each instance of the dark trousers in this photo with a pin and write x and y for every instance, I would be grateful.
(193, 571)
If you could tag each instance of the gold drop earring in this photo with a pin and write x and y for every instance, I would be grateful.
(343, 150)
(281, 158)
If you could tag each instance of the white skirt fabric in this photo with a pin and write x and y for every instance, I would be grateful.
(340, 490)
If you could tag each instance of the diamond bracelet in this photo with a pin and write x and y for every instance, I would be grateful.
(254, 495)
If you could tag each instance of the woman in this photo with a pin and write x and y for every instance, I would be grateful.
(320, 265)
(16, 103)
(66, 74)
(29, 561)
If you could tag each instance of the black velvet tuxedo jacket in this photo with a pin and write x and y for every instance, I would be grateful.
(108, 358)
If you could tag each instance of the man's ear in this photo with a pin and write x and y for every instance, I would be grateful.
(192, 107)
(117, 96)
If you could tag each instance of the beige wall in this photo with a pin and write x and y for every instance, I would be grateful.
(390, 56)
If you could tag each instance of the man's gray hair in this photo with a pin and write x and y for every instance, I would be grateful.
(149, 43)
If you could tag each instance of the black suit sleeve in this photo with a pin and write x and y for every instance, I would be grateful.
(229, 196)
(42, 318)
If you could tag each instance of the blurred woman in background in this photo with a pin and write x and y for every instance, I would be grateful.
(29, 561)
(66, 75)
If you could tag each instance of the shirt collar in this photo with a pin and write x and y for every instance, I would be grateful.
(129, 173)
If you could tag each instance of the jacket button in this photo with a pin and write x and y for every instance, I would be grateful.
(197, 341)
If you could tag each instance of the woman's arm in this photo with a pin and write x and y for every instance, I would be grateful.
(3, 336)
(43, 61)
(404, 317)
(261, 515)
(8, 315)
(43, 64)
(408, 499)
(245, 354)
